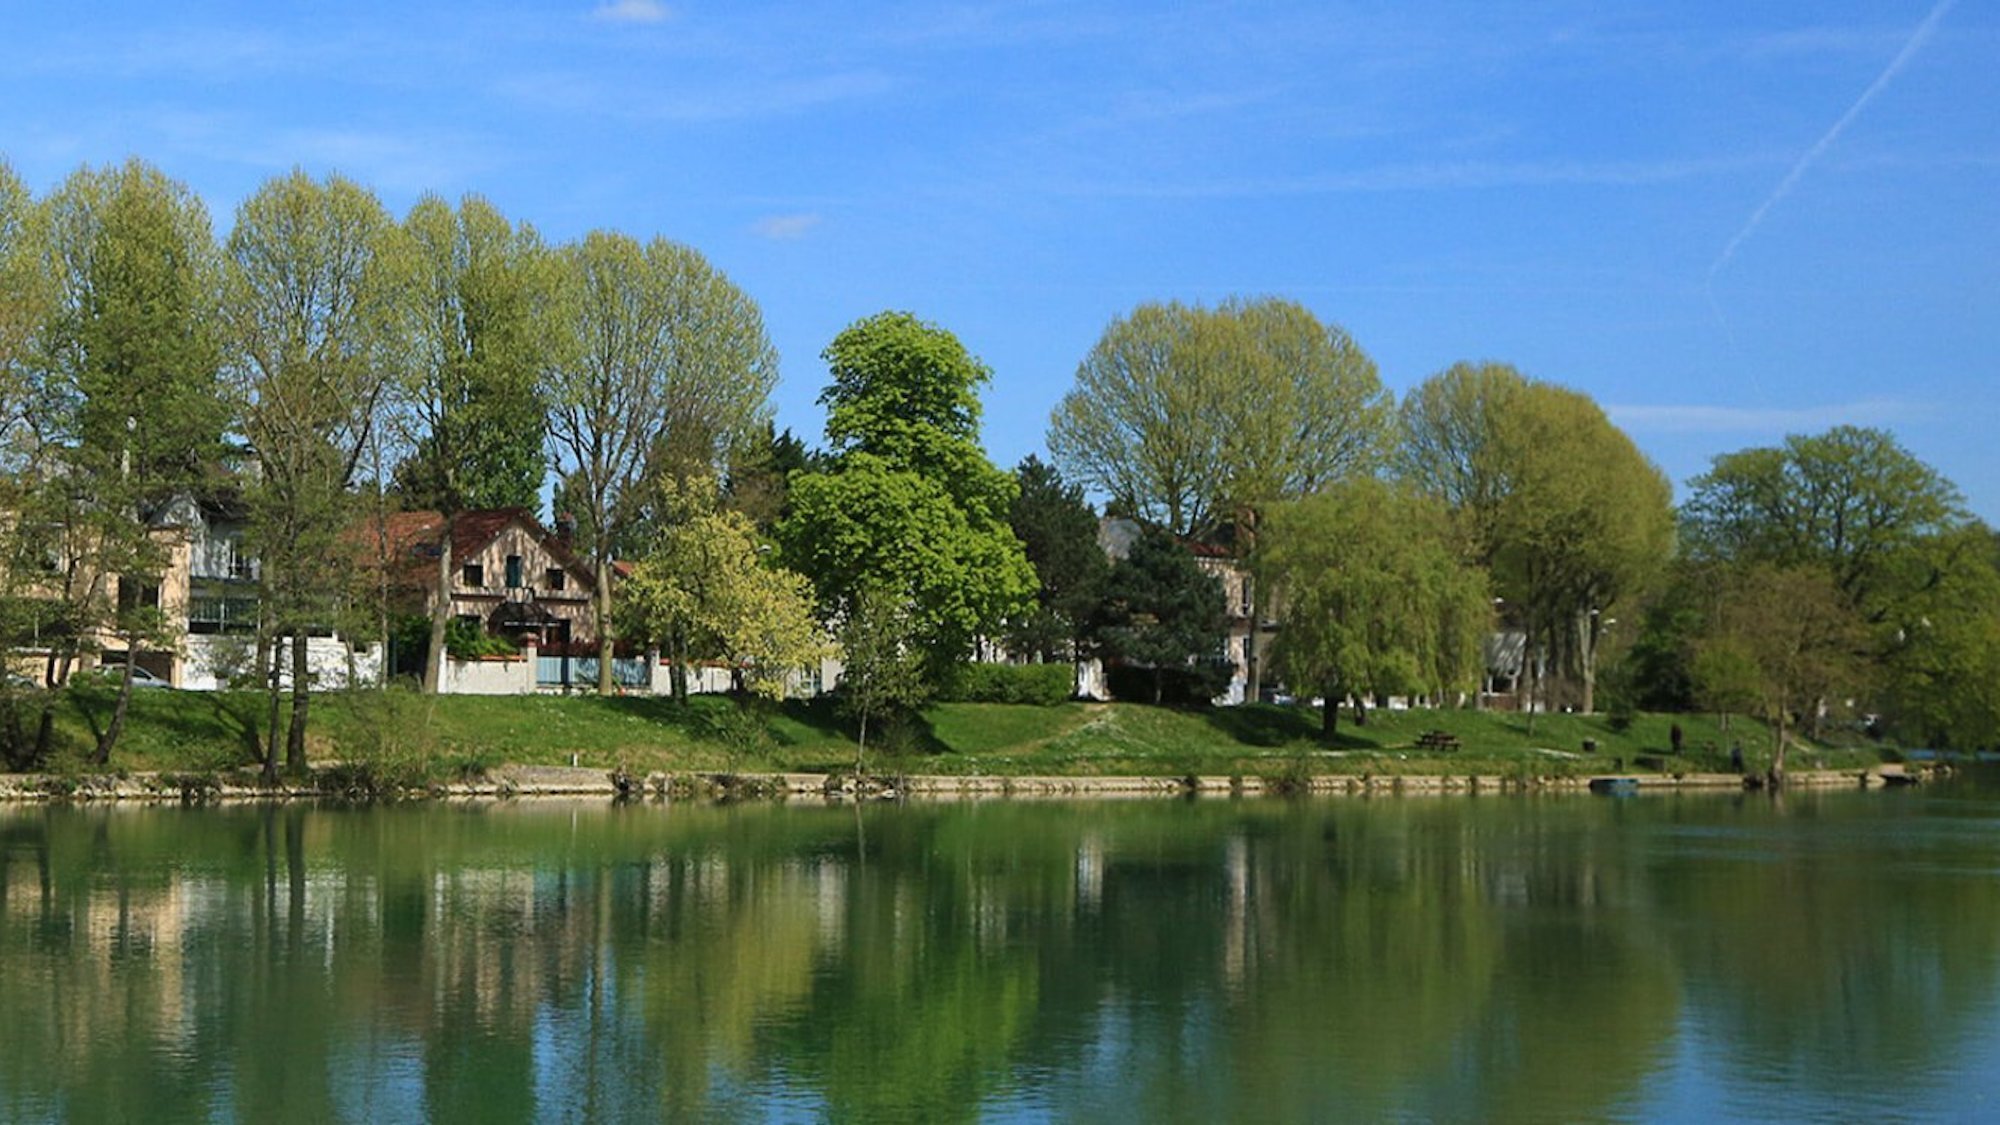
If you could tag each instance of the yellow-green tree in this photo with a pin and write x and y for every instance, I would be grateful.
(1372, 596)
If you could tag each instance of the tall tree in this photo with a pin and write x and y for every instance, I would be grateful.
(1785, 638)
(654, 345)
(1374, 597)
(908, 504)
(23, 294)
(315, 275)
(127, 395)
(1059, 532)
(1852, 500)
(470, 393)
(1189, 417)
(1572, 521)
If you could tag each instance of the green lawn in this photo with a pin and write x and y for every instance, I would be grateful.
(171, 730)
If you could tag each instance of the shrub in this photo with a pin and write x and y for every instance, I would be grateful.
(1043, 685)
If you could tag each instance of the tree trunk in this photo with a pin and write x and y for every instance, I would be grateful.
(677, 673)
(1360, 709)
(1329, 713)
(601, 599)
(295, 738)
(270, 660)
(116, 726)
(1587, 657)
(440, 613)
(1776, 775)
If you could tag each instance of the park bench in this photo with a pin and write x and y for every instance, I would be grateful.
(1437, 740)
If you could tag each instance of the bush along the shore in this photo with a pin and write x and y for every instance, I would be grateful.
(1042, 685)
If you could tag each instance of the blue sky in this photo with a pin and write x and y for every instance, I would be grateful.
(1724, 221)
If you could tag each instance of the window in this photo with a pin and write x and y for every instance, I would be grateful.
(554, 578)
(475, 575)
(513, 572)
(136, 593)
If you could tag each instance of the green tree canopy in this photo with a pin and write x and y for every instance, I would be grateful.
(1188, 417)
(1161, 611)
(1059, 532)
(655, 351)
(1572, 521)
(1373, 596)
(907, 503)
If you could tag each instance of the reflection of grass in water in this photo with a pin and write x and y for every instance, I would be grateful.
(181, 730)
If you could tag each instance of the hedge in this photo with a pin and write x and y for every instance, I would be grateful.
(1043, 685)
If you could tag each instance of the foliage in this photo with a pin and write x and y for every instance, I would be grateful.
(1058, 532)
(1784, 637)
(706, 591)
(1163, 612)
(656, 353)
(1572, 521)
(882, 676)
(312, 289)
(465, 640)
(907, 504)
(1042, 685)
(1375, 600)
(476, 288)
(1185, 416)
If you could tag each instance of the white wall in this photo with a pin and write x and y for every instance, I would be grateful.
(211, 661)
(504, 675)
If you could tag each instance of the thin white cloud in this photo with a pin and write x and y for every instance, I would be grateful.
(785, 228)
(1911, 46)
(1688, 419)
(632, 11)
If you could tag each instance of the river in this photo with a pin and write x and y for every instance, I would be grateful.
(1695, 957)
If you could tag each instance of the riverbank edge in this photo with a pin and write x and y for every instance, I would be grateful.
(514, 782)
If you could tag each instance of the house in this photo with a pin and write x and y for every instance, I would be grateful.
(511, 577)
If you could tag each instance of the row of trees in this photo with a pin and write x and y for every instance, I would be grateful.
(452, 360)
(1833, 574)
(449, 360)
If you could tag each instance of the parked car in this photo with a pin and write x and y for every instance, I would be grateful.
(112, 673)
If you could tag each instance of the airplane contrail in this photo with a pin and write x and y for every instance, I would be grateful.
(1915, 43)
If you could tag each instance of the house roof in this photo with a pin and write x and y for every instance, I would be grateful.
(412, 541)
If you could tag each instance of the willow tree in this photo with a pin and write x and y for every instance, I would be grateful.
(470, 392)
(1191, 417)
(1570, 519)
(1374, 598)
(655, 350)
(127, 407)
(315, 275)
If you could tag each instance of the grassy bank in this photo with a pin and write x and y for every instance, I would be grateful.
(461, 735)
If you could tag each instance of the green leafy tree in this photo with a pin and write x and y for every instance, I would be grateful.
(1558, 504)
(1058, 530)
(1191, 417)
(1784, 637)
(706, 592)
(314, 283)
(470, 394)
(127, 403)
(882, 663)
(1374, 597)
(1887, 530)
(1161, 611)
(656, 350)
(907, 504)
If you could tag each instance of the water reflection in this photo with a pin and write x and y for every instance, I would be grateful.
(1459, 958)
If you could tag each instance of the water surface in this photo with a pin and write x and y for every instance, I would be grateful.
(1692, 958)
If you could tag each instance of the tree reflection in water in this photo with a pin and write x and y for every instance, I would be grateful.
(1442, 958)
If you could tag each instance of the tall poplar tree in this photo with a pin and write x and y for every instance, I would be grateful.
(127, 398)
(470, 393)
(652, 343)
(315, 275)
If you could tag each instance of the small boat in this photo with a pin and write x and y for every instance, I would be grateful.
(1614, 786)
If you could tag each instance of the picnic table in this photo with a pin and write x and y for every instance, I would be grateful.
(1437, 740)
